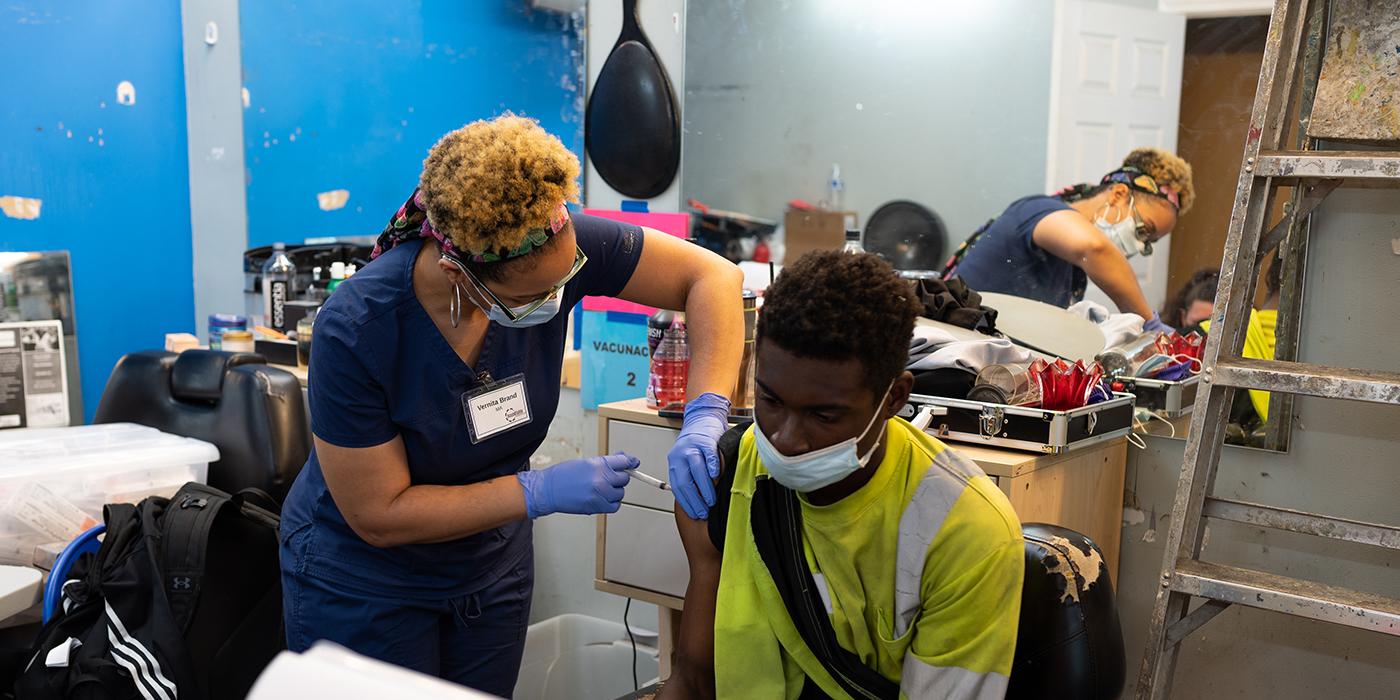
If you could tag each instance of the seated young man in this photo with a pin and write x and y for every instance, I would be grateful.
(915, 555)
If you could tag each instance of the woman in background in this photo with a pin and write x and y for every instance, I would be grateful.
(1194, 302)
(1047, 247)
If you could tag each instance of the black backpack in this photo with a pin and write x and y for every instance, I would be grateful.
(183, 600)
(776, 522)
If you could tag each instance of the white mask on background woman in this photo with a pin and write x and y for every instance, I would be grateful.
(1123, 232)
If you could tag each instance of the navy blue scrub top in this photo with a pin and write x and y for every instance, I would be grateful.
(381, 369)
(1006, 259)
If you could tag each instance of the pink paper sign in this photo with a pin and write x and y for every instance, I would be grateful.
(677, 225)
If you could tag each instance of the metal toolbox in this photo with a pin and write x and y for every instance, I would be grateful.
(1026, 428)
(1170, 399)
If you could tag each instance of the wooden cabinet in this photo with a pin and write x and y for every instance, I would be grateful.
(1081, 490)
(628, 563)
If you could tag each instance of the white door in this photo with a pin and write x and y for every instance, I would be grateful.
(1115, 85)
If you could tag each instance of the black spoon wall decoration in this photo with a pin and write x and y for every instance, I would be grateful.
(632, 129)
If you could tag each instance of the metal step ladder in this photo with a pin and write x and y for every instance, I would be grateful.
(1288, 80)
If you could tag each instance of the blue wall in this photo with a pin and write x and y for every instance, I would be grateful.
(365, 87)
(352, 94)
(116, 192)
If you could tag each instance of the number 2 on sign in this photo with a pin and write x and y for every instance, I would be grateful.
(631, 379)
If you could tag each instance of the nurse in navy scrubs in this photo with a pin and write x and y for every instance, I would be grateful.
(435, 377)
(1048, 248)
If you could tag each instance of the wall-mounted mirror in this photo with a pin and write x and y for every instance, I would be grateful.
(960, 109)
(39, 287)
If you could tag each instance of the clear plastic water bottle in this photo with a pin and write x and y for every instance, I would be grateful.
(670, 366)
(853, 243)
(835, 188)
(278, 277)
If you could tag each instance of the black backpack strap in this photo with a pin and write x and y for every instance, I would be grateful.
(728, 464)
(122, 523)
(185, 528)
(259, 498)
(776, 520)
(259, 506)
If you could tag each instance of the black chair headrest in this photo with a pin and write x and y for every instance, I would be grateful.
(198, 375)
(1069, 642)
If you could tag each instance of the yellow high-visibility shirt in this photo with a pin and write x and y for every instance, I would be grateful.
(1258, 345)
(922, 569)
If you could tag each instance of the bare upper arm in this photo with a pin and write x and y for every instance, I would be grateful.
(1069, 236)
(695, 537)
(364, 481)
(694, 675)
(667, 269)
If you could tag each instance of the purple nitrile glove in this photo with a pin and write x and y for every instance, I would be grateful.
(1155, 324)
(694, 460)
(579, 486)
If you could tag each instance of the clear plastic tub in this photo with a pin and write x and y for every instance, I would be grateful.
(54, 481)
(577, 657)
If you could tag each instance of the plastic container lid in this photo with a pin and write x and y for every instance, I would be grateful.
(337, 270)
(109, 447)
(228, 321)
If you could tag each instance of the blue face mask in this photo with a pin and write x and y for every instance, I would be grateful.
(546, 311)
(818, 468)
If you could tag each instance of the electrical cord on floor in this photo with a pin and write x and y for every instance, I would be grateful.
(627, 625)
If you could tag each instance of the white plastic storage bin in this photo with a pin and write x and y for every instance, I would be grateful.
(54, 481)
(577, 657)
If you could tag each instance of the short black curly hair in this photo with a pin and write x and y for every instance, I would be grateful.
(837, 306)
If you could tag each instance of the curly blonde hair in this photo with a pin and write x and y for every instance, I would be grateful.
(490, 182)
(1167, 169)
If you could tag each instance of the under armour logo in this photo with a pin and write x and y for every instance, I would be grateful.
(181, 583)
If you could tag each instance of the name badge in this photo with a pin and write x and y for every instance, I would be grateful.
(496, 407)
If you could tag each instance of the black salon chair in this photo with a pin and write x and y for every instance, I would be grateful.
(253, 413)
(1069, 643)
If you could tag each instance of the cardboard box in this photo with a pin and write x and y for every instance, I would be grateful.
(806, 231)
(572, 374)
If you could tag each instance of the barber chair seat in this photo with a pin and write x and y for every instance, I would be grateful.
(1069, 643)
(253, 413)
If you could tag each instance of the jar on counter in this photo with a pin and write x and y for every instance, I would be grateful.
(222, 323)
(237, 341)
(305, 328)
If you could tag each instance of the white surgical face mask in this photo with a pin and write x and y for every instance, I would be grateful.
(818, 469)
(1123, 233)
